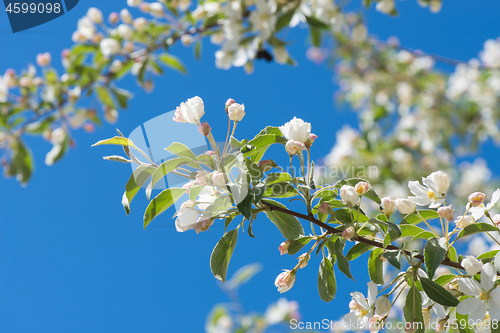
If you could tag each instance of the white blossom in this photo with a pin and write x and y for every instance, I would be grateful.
(296, 130)
(484, 295)
(110, 47)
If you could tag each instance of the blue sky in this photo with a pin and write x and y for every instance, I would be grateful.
(72, 261)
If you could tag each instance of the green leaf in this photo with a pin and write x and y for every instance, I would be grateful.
(412, 309)
(452, 253)
(463, 323)
(488, 255)
(357, 250)
(181, 150)
(392, 257)
(198, 49)
(117, 140)
(21, 162)
(342, 262)
(260, 144)
(406, 231)
(245, 206)
(314, 22)
(161, 203)
(278, 177)
(434, 253)
(288, 225)
(423, 235)
(445, 279)
(173, 62)
(437, 293)
(297, 244)
(137, 179)
(280, 190)
(375, 266)
(476, 228)
(163, 169)
(104, 96)
(394, 227)
(122, 96)
(327, 285)
(413, 218)
(284, 20)
(221, 255)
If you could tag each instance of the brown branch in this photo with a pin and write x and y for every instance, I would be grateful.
(330, 229)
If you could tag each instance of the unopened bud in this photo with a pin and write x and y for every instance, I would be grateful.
(310, 140)
(219, 179)
(125, 16)
(284, 247)
(405, 206)
(204, 128)
(496, 219)
(388, 206)
(446, 212)
(303, 260)
(229, 102)
(267, 165)
(113, 18)
(348, 233)
(293, 147)
(476, 199)
(361, 188)
(285, 281)
(43, 59)
(324, 208)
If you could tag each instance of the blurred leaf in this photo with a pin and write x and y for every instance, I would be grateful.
(173, 62)
(105, 97)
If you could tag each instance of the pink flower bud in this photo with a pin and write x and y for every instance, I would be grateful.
(446, 212)
(219, 179)
(188, 186)
(388, 206)
(284, 247)
(303, 260)
(405, 206)
(285, 281)
(348, 233)
(89, 127)
(43, 59)
(229, 102)
(293, 147)
(210, 153)
(65, 53)
(204, 128)
(361, 188)
(267, 165)
(202, 178)
(113, 18)
(178, 116)
(310, 140)
(476, 198)
(496, 219)
(376, 323)
(324, 208)
(203, 224)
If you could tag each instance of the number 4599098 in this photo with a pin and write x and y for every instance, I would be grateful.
(32, 8)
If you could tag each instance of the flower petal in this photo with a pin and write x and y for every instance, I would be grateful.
(468, 305)
(360, 299)
(469, 287)
(494, 304)
(431, 185)
(439, 310)
(480, 312)
(354, 322)
(416, 189)
(421, 201)
(488, 276)
(372, 292)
